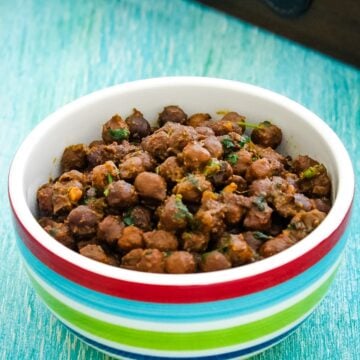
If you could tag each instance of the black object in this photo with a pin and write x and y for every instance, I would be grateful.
(330, 26)
(289, 8)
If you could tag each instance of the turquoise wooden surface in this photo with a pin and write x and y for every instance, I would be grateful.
(52, 52)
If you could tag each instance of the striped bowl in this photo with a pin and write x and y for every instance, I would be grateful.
(224, 314)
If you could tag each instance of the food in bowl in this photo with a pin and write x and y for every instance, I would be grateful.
(232, 313)
(192, 194)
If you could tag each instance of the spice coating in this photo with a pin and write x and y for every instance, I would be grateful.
(191, 195)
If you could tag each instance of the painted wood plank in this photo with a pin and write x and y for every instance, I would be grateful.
(52, 52)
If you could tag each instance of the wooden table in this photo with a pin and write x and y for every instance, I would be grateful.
(52, 52)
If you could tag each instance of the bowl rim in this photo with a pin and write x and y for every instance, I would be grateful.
(337, 214)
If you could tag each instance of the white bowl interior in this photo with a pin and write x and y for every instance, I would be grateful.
(80, 122)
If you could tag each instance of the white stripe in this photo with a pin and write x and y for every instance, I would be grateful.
(188, 353)
(185, 326)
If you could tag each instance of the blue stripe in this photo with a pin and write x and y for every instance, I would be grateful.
(230, 355)
(174, 313)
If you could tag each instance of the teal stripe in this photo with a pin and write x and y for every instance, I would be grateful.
(211, 311)
(184, 341)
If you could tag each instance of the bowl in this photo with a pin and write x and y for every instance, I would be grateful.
(224, 314)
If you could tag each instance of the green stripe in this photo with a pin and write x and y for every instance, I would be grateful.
(183, 341)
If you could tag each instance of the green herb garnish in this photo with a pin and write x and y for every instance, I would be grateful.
(228, 144)
(249, 125)
(119, 134)
(127, 218)
(182, 212)
(232, 158)
(109, 180)
(204, 256)
(245, 140)
(261, 236)
(311, 172)
(291, 226)
(265, 123)
(260, 202)
(193, 180)
(212, 167)
(195, 224)
(186, 235)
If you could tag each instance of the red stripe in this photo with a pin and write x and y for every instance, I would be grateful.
(174, 293)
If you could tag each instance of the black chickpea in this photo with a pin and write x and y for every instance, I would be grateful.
(194, 194)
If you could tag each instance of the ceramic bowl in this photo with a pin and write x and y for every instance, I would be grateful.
(225, 314)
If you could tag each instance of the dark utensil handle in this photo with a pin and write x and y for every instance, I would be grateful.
(289, 8)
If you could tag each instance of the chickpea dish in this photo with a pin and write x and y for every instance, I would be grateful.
(191, 195)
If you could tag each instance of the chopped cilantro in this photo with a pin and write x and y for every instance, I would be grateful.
(249, 125)
(311, 172)
(260, 202)
(119, 134)
(182, 212)
(245, 139)
(265, 123)
(204, 256)
(193, 180)
(109, 180)
(127, 218)
(292, 226)
(228, 144)
(195, 224)
(261, 236)
(212, 167)
(232, 158)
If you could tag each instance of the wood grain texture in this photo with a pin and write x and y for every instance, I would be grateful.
(52, 52)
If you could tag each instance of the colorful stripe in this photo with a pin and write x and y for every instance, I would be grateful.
(194, 341)
(229, 320)
(122, 354)
(183, 293)
(184, 313)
